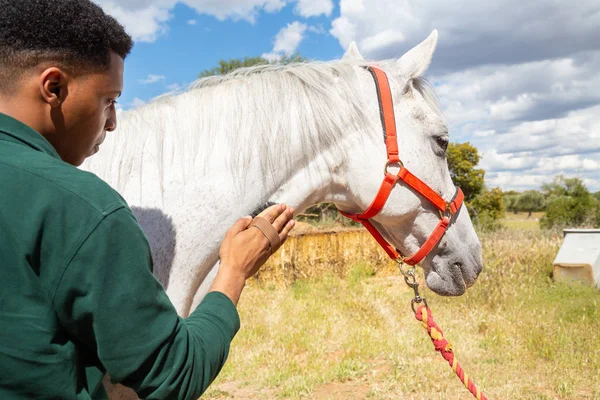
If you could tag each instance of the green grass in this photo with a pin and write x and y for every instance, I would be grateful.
(522, 221)
(518, 334)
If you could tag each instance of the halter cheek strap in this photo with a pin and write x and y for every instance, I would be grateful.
(447, 209)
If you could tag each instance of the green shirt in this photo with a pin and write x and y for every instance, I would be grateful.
(77, 295)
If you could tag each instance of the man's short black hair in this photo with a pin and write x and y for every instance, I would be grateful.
(76, 34)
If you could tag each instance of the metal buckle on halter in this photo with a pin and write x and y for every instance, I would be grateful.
(388, 163)
(447, 212)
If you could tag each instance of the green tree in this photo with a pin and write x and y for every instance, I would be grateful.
(565, 211)
(531, 200)
(462, 160)
(227, 66)
(569, 204)
(562, 186)
(511, 199)
(487, 208)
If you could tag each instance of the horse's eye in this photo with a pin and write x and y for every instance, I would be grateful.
(442, 141)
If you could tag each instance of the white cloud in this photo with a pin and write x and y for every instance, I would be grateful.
(486, 133)
(192, 22)
(543, 149)
(498, 97)
(506, 181)
(146, 20)
(152, 79)
(174, 87)
(575, 133)
(318, 29)
(345, 31)
(313, 8)
(472, 32)
(512, 109)
(271, 57)
(137, 102)
(383, 39)
(288, 39)
(235, 9)
(530, 121)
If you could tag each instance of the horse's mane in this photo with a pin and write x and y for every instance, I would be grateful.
(275, 100)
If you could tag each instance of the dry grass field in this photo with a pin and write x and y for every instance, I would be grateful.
(329, 318)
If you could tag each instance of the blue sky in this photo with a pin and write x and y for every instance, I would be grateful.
(518, 80)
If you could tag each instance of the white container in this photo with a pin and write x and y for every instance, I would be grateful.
(579, 257)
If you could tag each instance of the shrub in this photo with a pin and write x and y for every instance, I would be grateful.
(487, 209)
(566, 211)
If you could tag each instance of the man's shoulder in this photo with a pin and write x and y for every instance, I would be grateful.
(89, 188)
(49, 175)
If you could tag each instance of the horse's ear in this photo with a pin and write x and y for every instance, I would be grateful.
(415, 62)
(352, 54)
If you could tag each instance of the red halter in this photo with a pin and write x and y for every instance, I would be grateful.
(447, 209)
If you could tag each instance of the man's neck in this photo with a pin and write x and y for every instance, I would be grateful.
(23, 112)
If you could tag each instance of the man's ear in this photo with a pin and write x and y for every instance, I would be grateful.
(53, 86)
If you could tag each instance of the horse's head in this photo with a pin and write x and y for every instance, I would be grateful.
(408, 218)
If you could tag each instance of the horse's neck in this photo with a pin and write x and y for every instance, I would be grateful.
(165, 173)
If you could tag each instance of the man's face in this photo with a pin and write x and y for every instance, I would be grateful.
(87, 112)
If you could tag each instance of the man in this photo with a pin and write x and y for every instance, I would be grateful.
(77, 296)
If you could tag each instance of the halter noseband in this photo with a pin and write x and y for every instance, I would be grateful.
(447, 209)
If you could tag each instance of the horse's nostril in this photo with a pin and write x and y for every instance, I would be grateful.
(469, 277)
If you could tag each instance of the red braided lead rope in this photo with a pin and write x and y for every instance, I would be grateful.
(445, 349)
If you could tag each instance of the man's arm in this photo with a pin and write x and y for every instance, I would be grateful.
(111, 303)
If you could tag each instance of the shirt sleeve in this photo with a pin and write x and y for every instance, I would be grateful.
(110, 302)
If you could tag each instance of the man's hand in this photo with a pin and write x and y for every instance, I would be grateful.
(245, 250)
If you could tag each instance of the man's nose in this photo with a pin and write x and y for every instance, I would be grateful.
(111, 124)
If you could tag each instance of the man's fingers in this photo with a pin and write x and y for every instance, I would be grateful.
(271, 213)
(283, 235)
(283, 219)
(280, 217)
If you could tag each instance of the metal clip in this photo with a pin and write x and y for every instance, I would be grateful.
(411, 281)
(415, 301)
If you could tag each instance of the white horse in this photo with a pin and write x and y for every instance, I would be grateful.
(192, 163)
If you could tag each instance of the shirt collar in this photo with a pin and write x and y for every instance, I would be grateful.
(18, 132)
